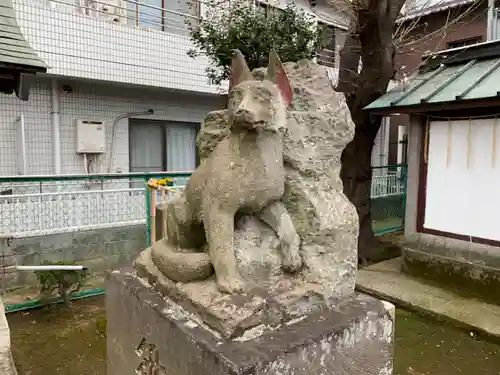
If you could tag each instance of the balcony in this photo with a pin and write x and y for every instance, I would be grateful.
(122, 41)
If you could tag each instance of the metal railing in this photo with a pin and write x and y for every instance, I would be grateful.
(43, 205)
(166, 17)
(53, 218)
(126, 41)
(389, 182)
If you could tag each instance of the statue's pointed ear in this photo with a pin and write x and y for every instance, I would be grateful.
(239, 70)
(276, 74)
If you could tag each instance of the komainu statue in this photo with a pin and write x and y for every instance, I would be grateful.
(263, 232)
(244, 174)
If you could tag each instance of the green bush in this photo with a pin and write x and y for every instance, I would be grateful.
(61, 283)
(101, 327)
(239, 25)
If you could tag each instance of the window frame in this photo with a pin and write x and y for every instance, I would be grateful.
(319, 49)
(164, 27)
(266, 7)
(163, 124)
(470, 41)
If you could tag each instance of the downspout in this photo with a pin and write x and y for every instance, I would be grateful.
(56, 126)
(491, 21)
(387, 141)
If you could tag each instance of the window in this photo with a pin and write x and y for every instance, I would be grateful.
(464, 42)
(326, 49)
(266, 8)
(164, 15)
(162, 146)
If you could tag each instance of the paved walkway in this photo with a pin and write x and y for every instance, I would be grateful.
(385, 280)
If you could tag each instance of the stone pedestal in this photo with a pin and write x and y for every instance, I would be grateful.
(7, 366)
(150, 334)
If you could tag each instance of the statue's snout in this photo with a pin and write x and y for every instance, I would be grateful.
(245, 116)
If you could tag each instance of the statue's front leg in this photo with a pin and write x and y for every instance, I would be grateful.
(219, 230)
(277, 217)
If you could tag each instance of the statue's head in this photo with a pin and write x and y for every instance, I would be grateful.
(255, 104)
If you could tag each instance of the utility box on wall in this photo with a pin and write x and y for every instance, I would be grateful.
(90, 136)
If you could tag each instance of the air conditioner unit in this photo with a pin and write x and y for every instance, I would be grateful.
(90, 136)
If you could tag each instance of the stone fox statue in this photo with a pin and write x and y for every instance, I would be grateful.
(244, 174)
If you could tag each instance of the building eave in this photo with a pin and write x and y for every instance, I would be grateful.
(19, 62)
(426, 11)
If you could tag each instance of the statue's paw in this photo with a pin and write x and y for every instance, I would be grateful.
(292, 261)
(231, 285)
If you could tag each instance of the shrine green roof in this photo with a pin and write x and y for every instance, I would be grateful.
(453, 76)
(14, 48)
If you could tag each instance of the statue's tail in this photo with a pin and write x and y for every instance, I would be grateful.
(178, 266)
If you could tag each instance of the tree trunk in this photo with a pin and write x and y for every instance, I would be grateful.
(356, 176)
(370, 41)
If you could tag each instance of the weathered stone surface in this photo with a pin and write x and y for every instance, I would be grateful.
(355, 337)
(7, 366)
(102, 249)
(318, 129)
(215, 128)
(465, 274)
(244, 173)
(281, 300)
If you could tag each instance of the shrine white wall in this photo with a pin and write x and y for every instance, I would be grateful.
(463, 177)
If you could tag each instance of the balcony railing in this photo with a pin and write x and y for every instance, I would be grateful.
(387, 184)
(125, 41)
(162, 15)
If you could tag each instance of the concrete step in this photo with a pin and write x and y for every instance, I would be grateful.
(386, 281)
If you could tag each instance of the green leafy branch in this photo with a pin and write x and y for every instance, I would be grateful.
(254, 31)
(61, 282)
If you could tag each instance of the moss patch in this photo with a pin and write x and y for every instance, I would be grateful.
(72, 342)
(59, 340)
(428, 347)
(463, 278)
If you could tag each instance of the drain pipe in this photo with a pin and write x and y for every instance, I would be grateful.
(113, 131)
(56, 126)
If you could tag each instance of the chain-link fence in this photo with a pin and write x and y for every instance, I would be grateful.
(388, 198)
(103, 221)
(98, 221)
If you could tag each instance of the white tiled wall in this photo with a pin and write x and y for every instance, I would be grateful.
(380, 151)
(86, 100)
(76, 45)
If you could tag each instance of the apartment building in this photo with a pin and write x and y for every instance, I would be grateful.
(120, 93)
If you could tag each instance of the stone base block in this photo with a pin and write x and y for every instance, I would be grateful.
(467, 273)
(6, 361)
(150, 334)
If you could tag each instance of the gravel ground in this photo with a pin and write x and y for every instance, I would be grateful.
(72, 342)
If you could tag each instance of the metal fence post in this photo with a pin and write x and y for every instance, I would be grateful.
(405, 185)
(147, 194)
